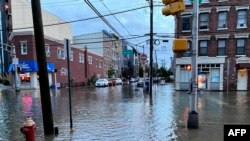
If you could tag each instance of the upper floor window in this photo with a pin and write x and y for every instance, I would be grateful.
(187, 53)
(71, 57)
(240, 47)
(24, 47)
(59, 53)
(203, 47)
(222, 19)
(47, 50)
(242, 18)
(204, 21)
(81, 58)
(186, 23)
(90, 59)
(221, 50)
(100, 64)
(205, 1)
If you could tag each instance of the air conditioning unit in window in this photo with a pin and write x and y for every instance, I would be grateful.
(242, 25)
(224, 25)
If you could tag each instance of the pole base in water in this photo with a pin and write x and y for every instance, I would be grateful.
(193, 120)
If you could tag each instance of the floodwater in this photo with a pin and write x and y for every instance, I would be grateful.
(124, 113)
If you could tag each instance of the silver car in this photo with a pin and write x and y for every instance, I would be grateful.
(101, 83)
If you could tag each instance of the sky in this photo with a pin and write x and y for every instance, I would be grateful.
(128, 24)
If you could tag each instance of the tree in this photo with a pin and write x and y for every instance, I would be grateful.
(111, 72)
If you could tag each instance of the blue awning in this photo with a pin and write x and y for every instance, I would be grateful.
(31, 66)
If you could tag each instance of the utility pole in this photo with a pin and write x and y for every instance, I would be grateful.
(193, 121)
(42, 67)
(151, 50)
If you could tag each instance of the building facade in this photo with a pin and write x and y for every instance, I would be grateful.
(81, 67)
(223, 46)
(103, 44)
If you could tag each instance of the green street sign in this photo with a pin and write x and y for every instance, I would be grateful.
(124, 52)
(199, 1)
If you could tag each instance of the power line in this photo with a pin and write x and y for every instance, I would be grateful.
(85, 19)
(115, 17)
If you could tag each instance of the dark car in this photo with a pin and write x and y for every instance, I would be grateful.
(140, 82)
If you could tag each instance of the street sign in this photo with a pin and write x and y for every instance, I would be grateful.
(124, 52)
(199, 1)
(143, 57)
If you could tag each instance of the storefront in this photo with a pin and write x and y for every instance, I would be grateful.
(28, 74)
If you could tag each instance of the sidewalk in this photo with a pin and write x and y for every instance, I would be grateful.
(4, 87)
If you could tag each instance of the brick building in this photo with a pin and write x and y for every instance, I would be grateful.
(83, 64)
(223, 46)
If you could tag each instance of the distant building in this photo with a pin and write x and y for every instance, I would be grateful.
(223, 47)
(103, 44)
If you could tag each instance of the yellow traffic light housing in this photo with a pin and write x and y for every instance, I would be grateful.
(180, 45)
(173, 7)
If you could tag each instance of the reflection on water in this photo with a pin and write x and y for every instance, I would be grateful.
(124, 113)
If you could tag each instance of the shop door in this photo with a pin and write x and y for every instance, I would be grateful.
(242, 79)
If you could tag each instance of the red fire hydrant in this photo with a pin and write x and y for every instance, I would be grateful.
(28, 129)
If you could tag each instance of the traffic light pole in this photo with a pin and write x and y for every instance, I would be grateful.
(193, 121)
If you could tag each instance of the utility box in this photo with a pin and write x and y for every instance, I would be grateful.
(180, 45)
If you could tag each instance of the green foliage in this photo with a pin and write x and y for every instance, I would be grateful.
(111, 72)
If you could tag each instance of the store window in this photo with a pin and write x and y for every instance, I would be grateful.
(215, 75)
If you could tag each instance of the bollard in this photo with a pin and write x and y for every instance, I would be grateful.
(28, 129)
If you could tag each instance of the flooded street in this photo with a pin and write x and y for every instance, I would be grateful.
(124, 113)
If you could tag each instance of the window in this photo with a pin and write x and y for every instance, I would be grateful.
(240, 47)
(81, 58)
(100, 64)
(71, 57)
(203, 48)
(185, 75)
(215, 75)
(186, 23)
(90, 59)
(59, 53)
(204, 20)
(47, 50)
(221, 50)
(62, 54)
(24, 47)
(222, 19)
(242, 18)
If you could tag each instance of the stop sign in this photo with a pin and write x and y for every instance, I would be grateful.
(144, 57)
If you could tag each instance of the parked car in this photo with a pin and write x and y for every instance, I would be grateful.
(118, 81)
(140, 82)
(101, 82)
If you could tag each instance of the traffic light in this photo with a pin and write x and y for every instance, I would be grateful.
(173, 7)
(180, 45)
(188, 67)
